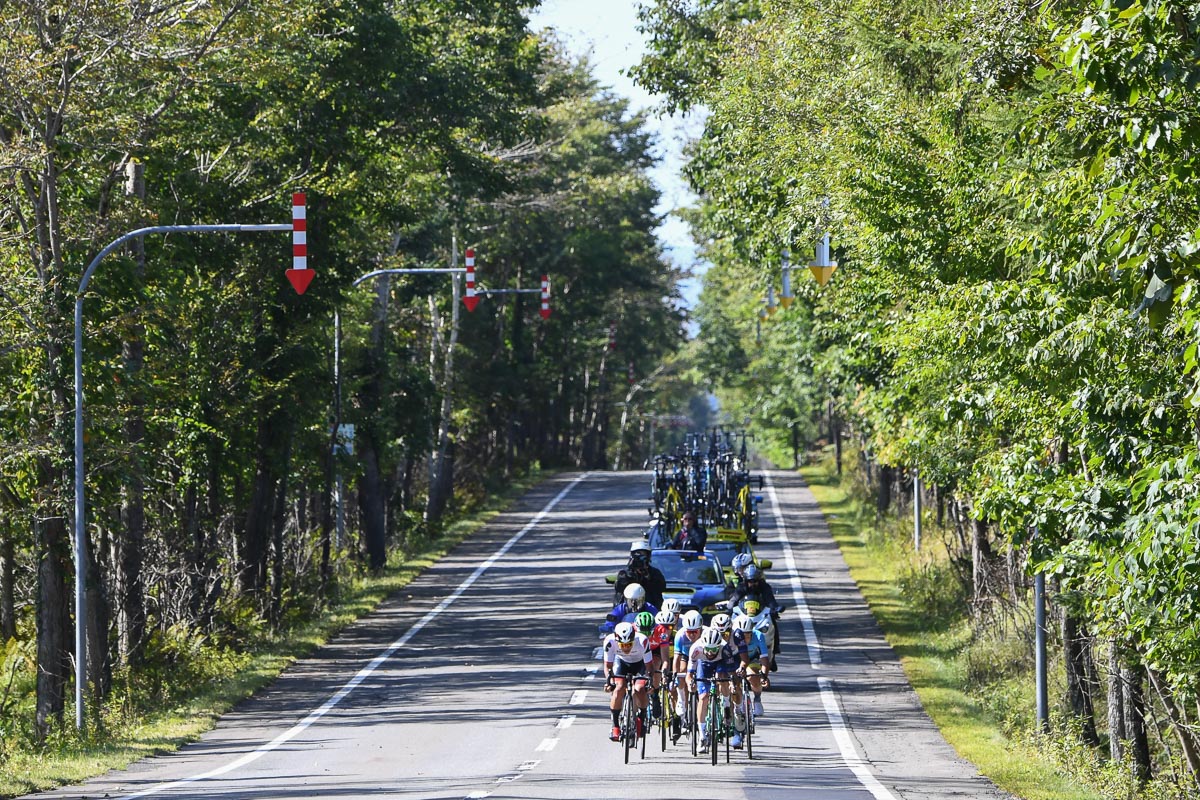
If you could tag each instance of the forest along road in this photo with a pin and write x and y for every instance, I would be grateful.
(480, 680)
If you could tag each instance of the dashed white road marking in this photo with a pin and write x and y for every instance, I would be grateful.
(478, 795)
(546, 746)
(528, 765)
(578, 696)
(365, 672)
(806, 619)
(565, 722)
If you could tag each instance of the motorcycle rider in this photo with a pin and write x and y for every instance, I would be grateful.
(755, 587)
(639, 570)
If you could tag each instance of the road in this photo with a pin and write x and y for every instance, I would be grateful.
(480, 681)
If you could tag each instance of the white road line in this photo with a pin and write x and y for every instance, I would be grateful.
(598, 652)
(806, 619)
(478, 795)
(528, 765)
(577, 697)
(366, 671)
(565, 722)
(845, 744)
(546, 746)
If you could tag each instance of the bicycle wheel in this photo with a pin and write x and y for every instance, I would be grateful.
(693, 725)
(714, 724)
(730, 729)
(664, 719)
(628, 726)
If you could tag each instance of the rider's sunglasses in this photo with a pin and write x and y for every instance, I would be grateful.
(712, 651)
(624, 645)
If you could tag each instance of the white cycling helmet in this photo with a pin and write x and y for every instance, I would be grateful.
(743, 623)
(693, 621)
(624, 632)
(673, 605)
(635, 596)
(664, 617)
(721, 623)
(711, 639)
(741, 561)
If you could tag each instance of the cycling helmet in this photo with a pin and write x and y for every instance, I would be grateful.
(639, 546)
(753, 573)
(741, 561)
(645, 622)
(635, 596)
(743, 623)
(665, 617)
(624, 633)
(712, 640)
(692, 621)
(721, 623)
(673, 605)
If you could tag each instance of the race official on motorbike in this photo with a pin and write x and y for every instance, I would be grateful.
(639, 570)
(755, 587)
(691, 536)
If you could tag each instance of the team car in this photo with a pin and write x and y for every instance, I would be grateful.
(697, 580)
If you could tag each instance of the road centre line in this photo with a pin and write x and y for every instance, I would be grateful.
(366, 671)
(806, 619)
(841, 735)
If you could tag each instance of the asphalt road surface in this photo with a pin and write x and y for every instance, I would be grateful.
(480, 681)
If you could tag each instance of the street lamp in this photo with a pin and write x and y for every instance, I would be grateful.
(80, 503)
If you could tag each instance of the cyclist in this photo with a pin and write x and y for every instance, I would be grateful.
(760, 658)
(659, 640)
(640, 571)
(626, 656)
(691, 626)
(738, 641)
(691, 536)
(712, 657)
(635, 601)
(756, 588)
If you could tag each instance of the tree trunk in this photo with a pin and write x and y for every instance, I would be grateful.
(883, 494)
(981, 556)
(1133, 682)
(1076, 656)
(371, 501)
(441, 476)
(1117, 733)
(53, 653)
(1187, 739)
(99, 665)
(8, 618)
(278, 522)
(131, 617)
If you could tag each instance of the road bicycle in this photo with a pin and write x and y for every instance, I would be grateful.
(667, 719)
(628, 717)
(719, 721)
(746, 706)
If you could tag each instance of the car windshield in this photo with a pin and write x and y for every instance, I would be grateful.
(725, 550)
(678, 566)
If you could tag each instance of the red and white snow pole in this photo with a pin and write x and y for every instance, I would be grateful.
(469, 299)
(300, 276)
(545, 312)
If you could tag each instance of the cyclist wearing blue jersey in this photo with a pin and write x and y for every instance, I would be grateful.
(690, 627)
(759, 655)
(712, 657)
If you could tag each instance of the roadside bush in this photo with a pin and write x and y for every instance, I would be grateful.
(935, 590)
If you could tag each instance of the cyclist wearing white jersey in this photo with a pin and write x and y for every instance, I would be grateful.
(626, 657)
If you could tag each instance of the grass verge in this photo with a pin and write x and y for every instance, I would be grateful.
(67, 758)
(934, 656)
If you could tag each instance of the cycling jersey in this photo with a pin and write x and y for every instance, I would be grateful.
(623, 613)
(704, 668)
(756, 648)
(661, 636)
(683, 645)
(638, 653)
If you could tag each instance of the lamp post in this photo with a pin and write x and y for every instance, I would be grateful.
(786, 297)
(80, 503)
